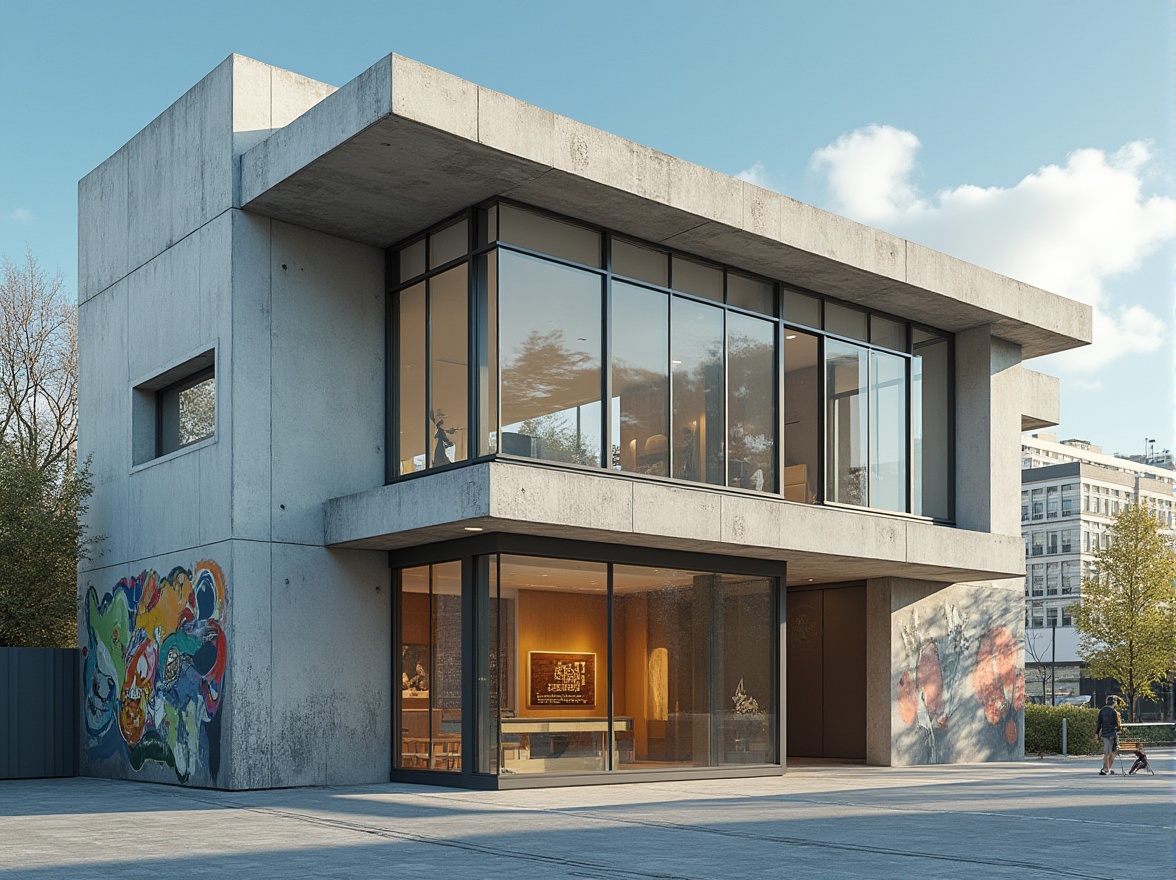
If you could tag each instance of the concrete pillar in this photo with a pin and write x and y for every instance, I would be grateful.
(988, 425)
(884, 597)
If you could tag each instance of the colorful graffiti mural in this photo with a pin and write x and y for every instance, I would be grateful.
(961, 693)
(154, 661)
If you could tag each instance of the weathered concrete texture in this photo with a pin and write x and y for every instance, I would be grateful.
(403, 146)
(180, 171)
(988, 410)
(173, 307)
(998, 821)
(821, 543)
(1041, 403)
(957, 683)
(330, 650)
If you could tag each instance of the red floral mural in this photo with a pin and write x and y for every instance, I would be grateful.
(998, 680)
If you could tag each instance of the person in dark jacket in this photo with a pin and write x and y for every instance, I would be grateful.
(1107, 729)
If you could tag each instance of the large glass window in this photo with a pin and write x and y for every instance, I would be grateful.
(888, 432)
(751, 403)
(695, 389)
(696, 353)
(802, 407)
(691, 656)
(640, 380)
(430, 704)
(847, 423)
(549, 318)
(411, 378)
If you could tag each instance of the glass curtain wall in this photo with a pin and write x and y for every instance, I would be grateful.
(693, 667)
(593, 350)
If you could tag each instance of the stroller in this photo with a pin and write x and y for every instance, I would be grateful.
(1141, 763)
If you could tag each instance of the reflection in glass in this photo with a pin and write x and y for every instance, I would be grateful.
(801, 410)
(751, 403)
(640, 380)
(549, 328)
(430, 699)
(888, 420)
(411, 379)
(696, 352)
(449, 438)
(931, 424)
(487, 351)
(699, 279)
(553, 662)
(642, 263)
(745, 674)
(662, 662)
(547, 235)
(846, 369)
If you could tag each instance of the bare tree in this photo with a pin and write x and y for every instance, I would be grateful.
(38, 365)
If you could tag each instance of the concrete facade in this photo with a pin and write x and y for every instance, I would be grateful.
(249, 222)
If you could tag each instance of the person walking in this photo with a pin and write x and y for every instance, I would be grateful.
(1107, 729)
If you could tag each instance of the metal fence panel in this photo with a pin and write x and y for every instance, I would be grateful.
(39, 704)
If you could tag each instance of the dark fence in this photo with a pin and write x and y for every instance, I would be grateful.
(39, 704)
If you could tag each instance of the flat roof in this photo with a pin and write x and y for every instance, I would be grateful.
(403, 146)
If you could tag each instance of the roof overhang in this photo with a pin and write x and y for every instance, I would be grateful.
(404, 146)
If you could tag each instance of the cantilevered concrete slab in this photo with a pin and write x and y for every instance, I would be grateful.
(821, 544)
(404, 145)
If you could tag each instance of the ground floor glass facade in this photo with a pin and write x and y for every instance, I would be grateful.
(550, 666)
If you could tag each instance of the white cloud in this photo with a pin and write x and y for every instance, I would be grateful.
(22, 216)
(756, 174)
(869, 172)
(1066, 228)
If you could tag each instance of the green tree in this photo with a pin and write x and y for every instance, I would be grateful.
(1126, 620)
(42, 492)
(41, 541)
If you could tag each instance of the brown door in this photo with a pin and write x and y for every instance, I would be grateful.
(826, 660)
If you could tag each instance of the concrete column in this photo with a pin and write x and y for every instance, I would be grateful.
(884, 597)
(988, 425)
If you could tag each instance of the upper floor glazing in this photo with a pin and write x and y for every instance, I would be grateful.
(518, 333)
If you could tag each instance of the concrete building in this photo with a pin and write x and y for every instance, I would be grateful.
(1070, 491)
(439, 437)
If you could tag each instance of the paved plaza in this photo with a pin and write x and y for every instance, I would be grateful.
(1040, 818)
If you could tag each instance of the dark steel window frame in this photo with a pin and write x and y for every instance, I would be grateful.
(469, 551)
(475, 216)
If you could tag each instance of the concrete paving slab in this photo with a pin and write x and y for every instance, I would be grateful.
(1040, 818)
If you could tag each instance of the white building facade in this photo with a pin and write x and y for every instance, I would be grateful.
(1071, 491)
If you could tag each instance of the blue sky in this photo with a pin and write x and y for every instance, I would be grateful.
(1033, 138)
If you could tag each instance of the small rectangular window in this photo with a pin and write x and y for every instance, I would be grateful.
(186, 412)
(800, 308)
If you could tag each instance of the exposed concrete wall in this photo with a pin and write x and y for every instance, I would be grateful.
(988, 428)
(311, 700)
(169, 269)
(945, 672)
(1040, 400)
(181, 171)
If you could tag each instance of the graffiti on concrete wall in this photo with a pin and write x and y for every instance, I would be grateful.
(960, 692)
(154, 655)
